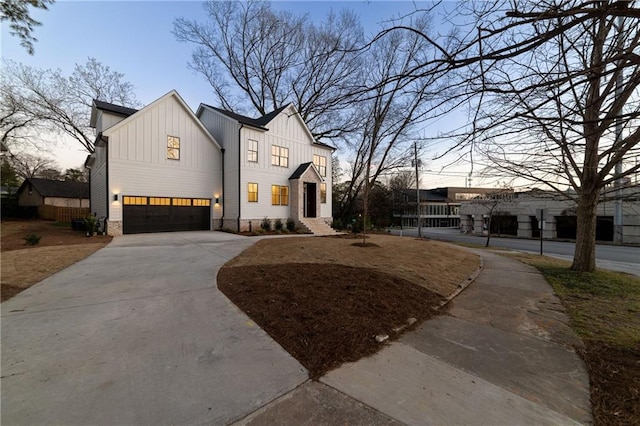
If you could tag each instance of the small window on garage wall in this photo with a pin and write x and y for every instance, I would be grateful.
(134, 201)
(173, 147)
(201, 202)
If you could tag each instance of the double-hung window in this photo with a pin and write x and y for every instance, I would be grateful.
(252, 192)
(279, 156)
(173, 147)
(252, 151)
(321, 164)
(279, 195)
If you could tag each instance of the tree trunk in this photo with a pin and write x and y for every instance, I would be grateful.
(584, 257)
(489, 230)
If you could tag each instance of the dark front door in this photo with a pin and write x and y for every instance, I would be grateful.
(309, 199)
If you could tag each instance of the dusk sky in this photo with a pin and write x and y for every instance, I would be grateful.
(134, 38)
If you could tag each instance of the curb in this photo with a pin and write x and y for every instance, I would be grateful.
(463, 285)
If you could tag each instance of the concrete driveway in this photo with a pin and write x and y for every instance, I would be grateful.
(138, 333)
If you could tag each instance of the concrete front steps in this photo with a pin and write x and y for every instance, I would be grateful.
(317, 226)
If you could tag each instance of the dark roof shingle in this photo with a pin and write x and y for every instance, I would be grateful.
(116, 109)
(58, 188)
(259, 122)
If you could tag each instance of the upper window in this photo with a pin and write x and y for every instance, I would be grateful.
(252, 151)
(252, 192)
(173, 147)
(279, 195)
(321, 164)
(279, 156)
(323, 193)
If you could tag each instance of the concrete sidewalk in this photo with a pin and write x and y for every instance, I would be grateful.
(502, 355)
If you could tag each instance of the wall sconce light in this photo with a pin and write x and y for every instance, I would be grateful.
(115, 197)
(217, 201)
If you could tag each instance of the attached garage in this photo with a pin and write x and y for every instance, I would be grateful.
(142, 214)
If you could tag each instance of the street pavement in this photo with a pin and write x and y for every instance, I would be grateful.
(139, 334)
(624, 258)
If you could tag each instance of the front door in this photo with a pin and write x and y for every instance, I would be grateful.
(309, 199)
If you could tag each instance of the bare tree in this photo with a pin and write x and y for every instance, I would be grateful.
(392, 110)
(554, 89)
(273, 58)
(34, 99)
(33, 166)
(21, 23)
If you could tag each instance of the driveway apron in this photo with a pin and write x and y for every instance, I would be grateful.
(138, 333)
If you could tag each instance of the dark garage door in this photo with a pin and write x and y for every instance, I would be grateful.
(163, 214)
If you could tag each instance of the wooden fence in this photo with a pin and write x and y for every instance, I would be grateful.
(62, 214)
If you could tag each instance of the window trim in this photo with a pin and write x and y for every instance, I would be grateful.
(249, 192)
(252, 152)
(278, 157)
(171, 148)
(279, 195)
(321, 164)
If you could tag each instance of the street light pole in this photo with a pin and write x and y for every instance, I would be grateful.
(617, 217)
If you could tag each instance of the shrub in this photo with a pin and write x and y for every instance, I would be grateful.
(32, 239)
(266, 224)
(291, 225)
(90, 224)
(355, 228)
(337, 224)
(279, 224)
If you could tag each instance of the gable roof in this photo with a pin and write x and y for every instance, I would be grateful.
(259, 122)
(184, 105)
(302, 168)
(57, 188)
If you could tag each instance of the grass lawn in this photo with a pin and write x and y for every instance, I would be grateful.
(325, 299)
(604, 309)
(23, 265)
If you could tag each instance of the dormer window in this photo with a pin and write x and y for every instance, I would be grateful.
(173, 148)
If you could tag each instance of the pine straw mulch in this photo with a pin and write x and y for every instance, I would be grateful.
(614, 373)
(325, 315)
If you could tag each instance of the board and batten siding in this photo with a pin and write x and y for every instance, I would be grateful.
(98, 183)
(285, 130)
(106, 120)
(225, 131)
(138, 163)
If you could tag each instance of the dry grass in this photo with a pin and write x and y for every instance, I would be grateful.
(23, 266)
(436, 266)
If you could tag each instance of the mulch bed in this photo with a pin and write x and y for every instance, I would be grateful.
(325, 315)
(615, 383)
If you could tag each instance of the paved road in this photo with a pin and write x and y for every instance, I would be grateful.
(617, 258)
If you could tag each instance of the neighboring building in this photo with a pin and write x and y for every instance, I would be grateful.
(35, 192)
(164, 168)
(517, 216)
(439, 207)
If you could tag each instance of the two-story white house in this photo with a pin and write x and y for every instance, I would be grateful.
(164, 168)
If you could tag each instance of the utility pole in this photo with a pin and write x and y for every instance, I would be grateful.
(617, 216)
(416, 162)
